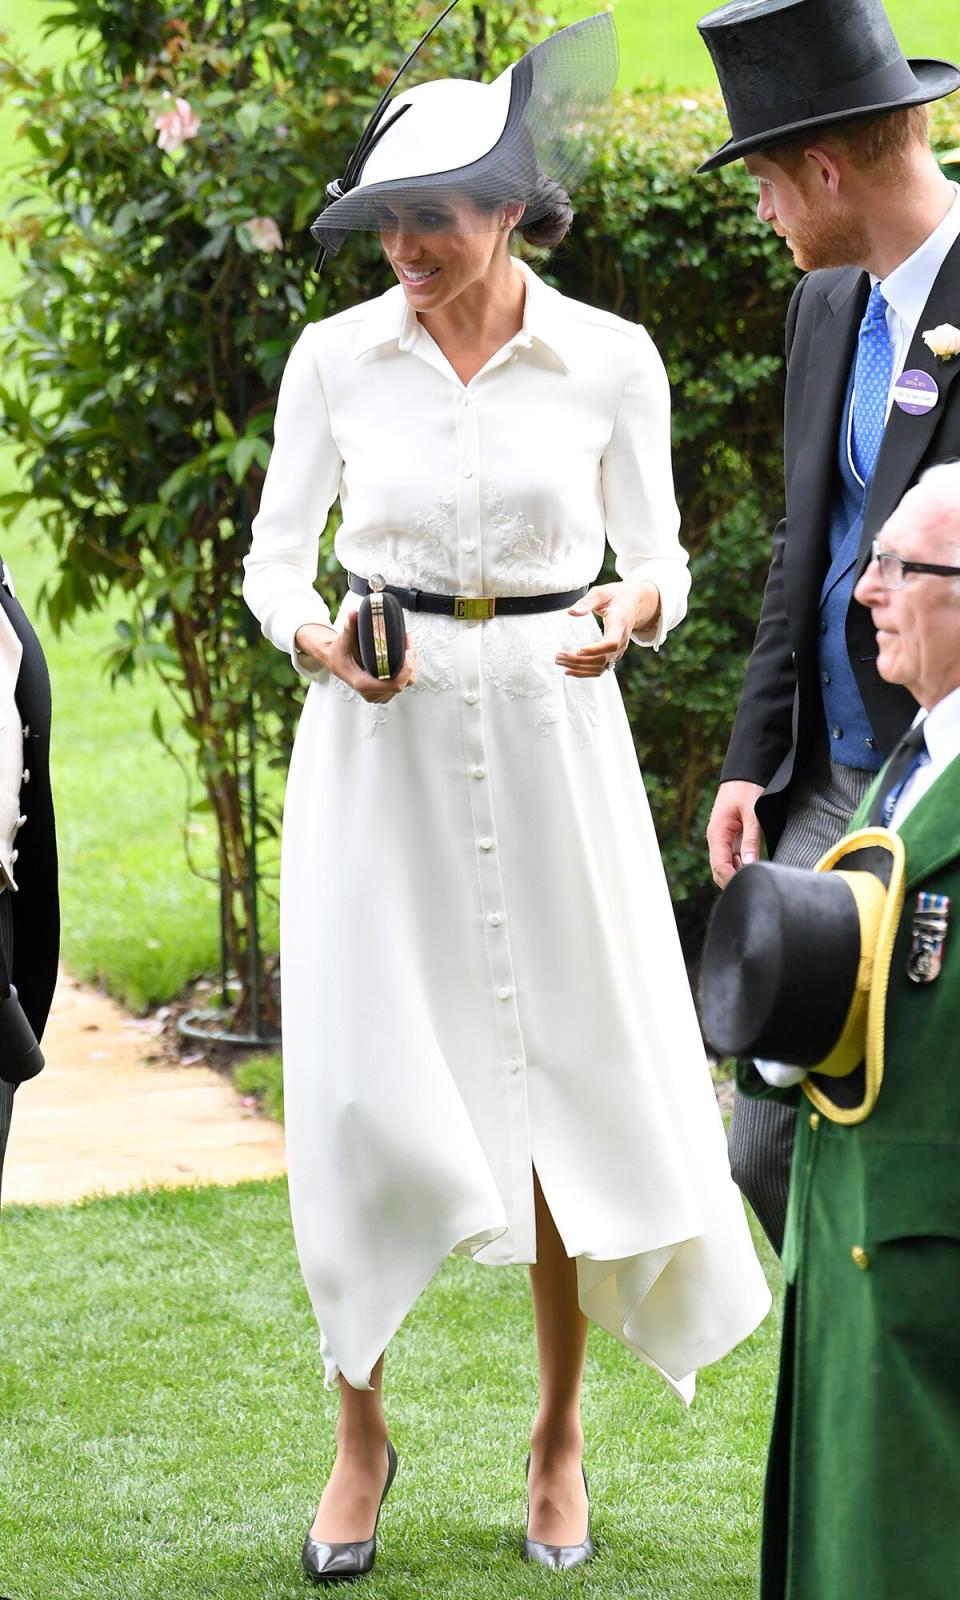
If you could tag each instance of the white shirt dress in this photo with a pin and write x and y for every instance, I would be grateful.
(481, 974)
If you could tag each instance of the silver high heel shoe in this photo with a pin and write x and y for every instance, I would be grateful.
(559, 1556)
(339, 1563)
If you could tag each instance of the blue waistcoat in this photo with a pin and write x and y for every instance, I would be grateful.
(852, 741)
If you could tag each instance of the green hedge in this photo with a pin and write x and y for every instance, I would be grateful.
(143, 354)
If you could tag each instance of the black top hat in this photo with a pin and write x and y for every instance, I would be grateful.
(788, 65)
(796, 966)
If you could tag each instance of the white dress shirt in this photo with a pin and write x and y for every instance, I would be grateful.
(941, 731)
(907, 288)
(469, 489)
(480, 965)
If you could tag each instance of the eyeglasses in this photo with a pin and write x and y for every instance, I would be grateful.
(893, 568)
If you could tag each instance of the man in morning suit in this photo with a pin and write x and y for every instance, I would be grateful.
(29, 905)
(830, 119)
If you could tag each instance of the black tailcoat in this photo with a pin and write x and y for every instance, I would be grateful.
(779, 720)
(35, 906)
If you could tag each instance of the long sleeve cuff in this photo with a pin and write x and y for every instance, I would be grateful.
(671, 577)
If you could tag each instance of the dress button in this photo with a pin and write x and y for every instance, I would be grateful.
(825, 677)
(494, 919)
(504, 993)
(479, 772)
(860, 1257)
(471, 697)
(513, 1065)
(468, 547)
(871, 744)
(468, 472)
(814, 1120)
(485, 844)
(837, 731)
(26, 775)
(823, 627)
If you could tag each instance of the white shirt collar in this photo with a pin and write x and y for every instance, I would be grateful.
(391, 321)
(907, 288)
(941, 729)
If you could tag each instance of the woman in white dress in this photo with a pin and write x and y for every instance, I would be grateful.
(490, 1046)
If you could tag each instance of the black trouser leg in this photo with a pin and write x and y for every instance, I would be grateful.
(761, 1150)
(6, 1089)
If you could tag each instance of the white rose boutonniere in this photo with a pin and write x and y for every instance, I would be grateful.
(943, 341)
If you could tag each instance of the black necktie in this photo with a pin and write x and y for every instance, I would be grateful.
(907, 755)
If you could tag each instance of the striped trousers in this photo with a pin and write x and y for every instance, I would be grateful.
(761, 1132)
(6, 1089)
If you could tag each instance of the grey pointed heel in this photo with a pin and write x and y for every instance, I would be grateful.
(559, 1556)
(340, 1563)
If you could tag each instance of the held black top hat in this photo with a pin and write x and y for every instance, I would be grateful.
(796, 966)
(788, 65)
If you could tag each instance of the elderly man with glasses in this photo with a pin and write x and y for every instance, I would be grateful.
(864, 1471)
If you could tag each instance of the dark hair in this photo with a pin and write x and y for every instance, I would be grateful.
(551, 215)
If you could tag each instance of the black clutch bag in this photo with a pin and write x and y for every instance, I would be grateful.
(381, 632)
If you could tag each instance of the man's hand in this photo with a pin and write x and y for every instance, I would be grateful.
(733, 832)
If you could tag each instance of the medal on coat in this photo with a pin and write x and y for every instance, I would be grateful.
(929, 931)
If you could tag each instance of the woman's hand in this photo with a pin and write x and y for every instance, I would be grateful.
(624, 609)
(340, 654)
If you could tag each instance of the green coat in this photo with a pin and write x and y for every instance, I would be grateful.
(863, 1481)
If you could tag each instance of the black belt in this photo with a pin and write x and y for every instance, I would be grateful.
(470, 607)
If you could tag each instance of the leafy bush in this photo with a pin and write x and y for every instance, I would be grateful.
(176, 165)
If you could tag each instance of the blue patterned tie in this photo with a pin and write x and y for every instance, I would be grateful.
(871, 384)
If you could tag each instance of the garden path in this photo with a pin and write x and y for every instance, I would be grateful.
(101, 1119)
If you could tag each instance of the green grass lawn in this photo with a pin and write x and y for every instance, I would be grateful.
(165, 1435)
(660, 40)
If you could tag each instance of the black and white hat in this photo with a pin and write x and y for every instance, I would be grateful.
(488, 143)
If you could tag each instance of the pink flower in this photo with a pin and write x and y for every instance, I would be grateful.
(177, 125)
(264, 233)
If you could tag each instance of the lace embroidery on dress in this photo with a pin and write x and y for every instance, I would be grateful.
(372, 717)
(433, 640)
(418, 557)
(526, 565)
(518, 660)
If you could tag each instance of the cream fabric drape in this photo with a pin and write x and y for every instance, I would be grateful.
(481, 972)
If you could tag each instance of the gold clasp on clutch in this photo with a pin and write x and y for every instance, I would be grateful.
(474, 607)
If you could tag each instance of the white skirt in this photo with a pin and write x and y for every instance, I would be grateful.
(482, 978)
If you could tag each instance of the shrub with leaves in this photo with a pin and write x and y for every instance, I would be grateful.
(176, 165)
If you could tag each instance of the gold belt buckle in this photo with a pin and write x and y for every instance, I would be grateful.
(474, 607)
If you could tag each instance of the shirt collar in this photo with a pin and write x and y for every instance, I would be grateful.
(907, 288)
(941, 729)
(390, 321)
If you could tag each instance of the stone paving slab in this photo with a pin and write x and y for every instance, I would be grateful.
(100, 1119)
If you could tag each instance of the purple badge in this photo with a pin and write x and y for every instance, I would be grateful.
(915, 392)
